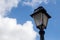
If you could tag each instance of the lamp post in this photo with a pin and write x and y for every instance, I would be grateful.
(41, 17)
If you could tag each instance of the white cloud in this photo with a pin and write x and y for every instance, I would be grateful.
(10, 30)
(34, 3)
(7, 5)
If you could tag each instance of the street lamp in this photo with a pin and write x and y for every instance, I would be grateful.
(41, 17)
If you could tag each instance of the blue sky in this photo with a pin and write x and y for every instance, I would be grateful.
(23, 11)
(22, 14)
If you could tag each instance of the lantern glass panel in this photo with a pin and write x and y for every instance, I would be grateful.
(38, 19)
(45, 20)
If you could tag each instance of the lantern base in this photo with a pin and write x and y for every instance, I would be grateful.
(41, 27)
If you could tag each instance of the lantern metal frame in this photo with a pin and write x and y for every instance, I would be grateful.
(40, 27)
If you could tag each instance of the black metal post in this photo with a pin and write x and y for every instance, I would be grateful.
(41, 32)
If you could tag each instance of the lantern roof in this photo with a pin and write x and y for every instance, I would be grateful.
(42, 10)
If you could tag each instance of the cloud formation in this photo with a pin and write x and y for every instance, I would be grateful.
(34, 3)
(9, 29)
(7, 5)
